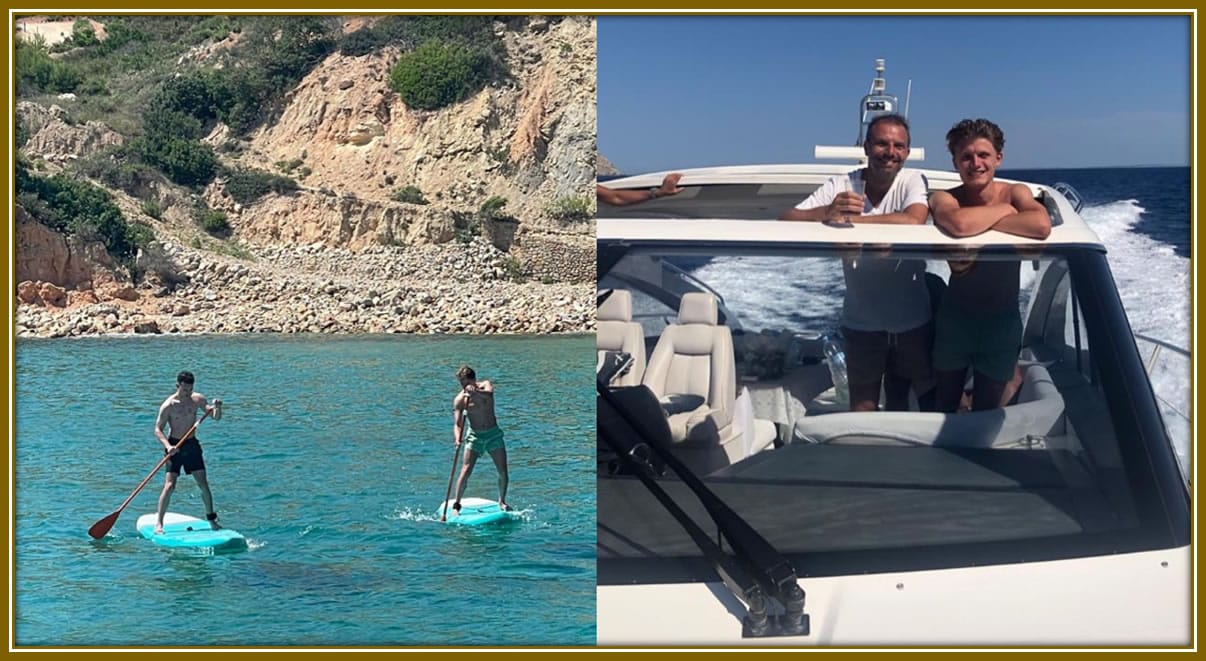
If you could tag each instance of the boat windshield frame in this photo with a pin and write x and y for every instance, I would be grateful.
(1161, 498)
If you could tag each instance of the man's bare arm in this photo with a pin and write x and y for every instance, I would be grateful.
(960, 221)
(214, 410)
(1031, 218)
(458, 421)
(815, 214)
(914, 214)
(160, 421)
(619, 198)
(622, 197)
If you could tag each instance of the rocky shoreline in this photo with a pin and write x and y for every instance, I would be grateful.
(448, 288)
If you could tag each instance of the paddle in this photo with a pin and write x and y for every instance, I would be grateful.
(455, 452)
(102, 527)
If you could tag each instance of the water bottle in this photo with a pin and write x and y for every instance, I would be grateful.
(837, 370)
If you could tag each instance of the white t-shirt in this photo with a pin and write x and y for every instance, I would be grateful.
(907, 189)
(882, 294)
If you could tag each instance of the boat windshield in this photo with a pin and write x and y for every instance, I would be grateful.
(877, 408)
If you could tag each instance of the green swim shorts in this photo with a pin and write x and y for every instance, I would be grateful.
(484, 441)
(988, 343)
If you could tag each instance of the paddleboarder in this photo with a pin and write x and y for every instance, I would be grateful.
(476, 401)
(178, 414)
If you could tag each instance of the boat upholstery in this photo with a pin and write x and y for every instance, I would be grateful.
(694, 357)
(618, 332)
(1038, 413)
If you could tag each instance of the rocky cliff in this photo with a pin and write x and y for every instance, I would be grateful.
(350, 143)
(530, 140)
(605, 167)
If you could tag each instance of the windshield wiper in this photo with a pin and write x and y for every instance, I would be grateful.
(756, 572)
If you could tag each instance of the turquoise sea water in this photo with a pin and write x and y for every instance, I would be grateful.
(332, 458)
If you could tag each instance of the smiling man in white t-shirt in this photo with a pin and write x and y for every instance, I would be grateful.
(886, 313)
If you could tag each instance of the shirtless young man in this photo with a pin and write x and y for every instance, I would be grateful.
(476, 400)
(978, 325)
(179, 413)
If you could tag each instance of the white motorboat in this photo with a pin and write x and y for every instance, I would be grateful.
(740, 502)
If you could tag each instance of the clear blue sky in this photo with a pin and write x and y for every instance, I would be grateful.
(1069, 91)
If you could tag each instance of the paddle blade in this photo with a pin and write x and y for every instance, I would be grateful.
(102, 527)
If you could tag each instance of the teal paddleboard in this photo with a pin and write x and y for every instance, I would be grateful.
(477, 511)
(188, 532)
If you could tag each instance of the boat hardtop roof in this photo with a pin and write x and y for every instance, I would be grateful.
(753, 181)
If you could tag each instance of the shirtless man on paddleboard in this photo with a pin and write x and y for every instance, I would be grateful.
(476, 400)
(179, 413)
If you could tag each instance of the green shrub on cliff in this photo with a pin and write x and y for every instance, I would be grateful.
(77, 207)
(215, 28)
(200, 95)
(407, 32)
(122, 168)
(515, 269)
(212, 221)
(571, 207)
(491, 209)
(152, 208)
(409, 195)
(286, 48)
(246, 185)
(287, 167)
(438, 74)
(21, 134)
(82, 34)
(175, 119)
(362, 42)
(37, 73)
(276, 55)
(186, 162)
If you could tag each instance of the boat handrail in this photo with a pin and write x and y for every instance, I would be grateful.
(1163, 344)
(682, 273)
(1071, 194)
(1159, 345)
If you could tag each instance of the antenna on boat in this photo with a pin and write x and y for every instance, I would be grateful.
(877, 102)
(908, 96)
(878, 83)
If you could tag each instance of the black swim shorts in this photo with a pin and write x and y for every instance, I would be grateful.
(189, 457)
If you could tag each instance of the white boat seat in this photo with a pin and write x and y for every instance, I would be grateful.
(616, 331)
(694, 356)
(1039, 412)
(679, 403)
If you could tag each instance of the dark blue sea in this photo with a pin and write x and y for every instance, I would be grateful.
(332, 457)
(1161, 196)
(1142, 217)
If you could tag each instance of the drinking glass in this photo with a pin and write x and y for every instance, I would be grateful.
(858, 186)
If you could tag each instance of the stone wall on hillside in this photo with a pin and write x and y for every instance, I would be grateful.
(558, 258)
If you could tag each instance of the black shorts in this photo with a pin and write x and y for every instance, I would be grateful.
(189, 457)
(872, 354)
